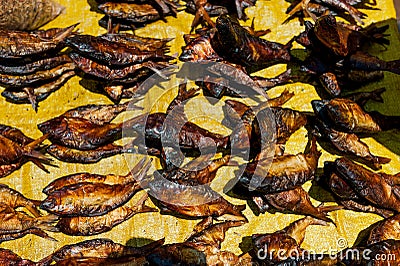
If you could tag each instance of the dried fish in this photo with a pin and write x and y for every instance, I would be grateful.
(351, 144)
(378, 188)
(114, 53)
(141, 167)
(286, 172)
(92, 199)
(235, 44)
(347, 196)
(345, 115)
(35, 66)
(202, 247)
(137, 42)
(87, 127)
(384, 230)
(196, 201)
(16, 149)
(135, 13)
(33, 95)
(28, 14)
(19, 44)
(39, 76)
(15, 199)
(296, 200)
(86, 226)
(105, 72)
(287, 241)
(99, 248)
(16, 224)
(69, 155)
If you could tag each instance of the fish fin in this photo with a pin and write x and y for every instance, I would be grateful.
(63, 34)
(43, 234)
(31, 98)
(376, 95)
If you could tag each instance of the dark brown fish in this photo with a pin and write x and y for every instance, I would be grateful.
(350, 143)
(345, 115)
(93, 68)
(134, 13)
(235, 44)
(87, 127)
(198, 172)
(35, 66)
(99, 248)
(9, 258)
(287, 241)
(38, 93)
(141, 167)
(28, 14)
(86, 226)
(137, 42)
(18, 44)
(16, 149)
(347, 196)
(194, 201)
(378, 188)
(70, 155)
(39, 76)
(286, 172)
(202, 247)
(112, 53)
(92, 199)
(297, 201)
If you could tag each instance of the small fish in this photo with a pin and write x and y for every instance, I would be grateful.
(35, 94)
(286, 172)
(295, 200)
(14, 154)
(19, 44)
(100, 248)
(86, 226)
(87, 127)
(15, 199)
(237, 45)
(287, 241)
(135, 173)
(112, 53)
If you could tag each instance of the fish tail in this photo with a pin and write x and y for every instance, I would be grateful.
(64, 34)
(46, 223)
(43, 234)
(376, 95)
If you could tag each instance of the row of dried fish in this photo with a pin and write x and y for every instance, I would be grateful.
(32, 66)
(15, 223)
(131, 14)
(118, 62)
